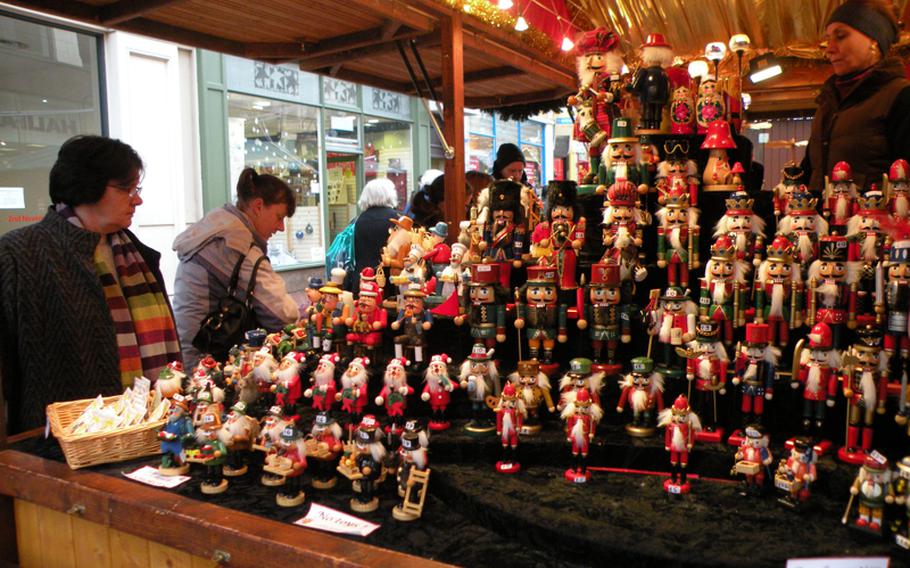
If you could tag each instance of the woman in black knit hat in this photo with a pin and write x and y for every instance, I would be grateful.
(510, 163)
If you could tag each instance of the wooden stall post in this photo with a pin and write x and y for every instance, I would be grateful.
(453, 118)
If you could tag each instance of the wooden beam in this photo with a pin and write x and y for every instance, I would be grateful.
(453, 119)
(507, 100)
(482, 75)
(181, 35)
(359, 40)
(312, 63)
(399, 11)
(281, 51)
(65, 8)
(340, 72)
(524, 58)
(124, 10)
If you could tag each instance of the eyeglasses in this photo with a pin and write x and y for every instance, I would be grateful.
(133, 191)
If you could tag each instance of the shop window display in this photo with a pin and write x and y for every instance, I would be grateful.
(388, 153)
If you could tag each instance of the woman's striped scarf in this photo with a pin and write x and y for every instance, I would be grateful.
(146, 335)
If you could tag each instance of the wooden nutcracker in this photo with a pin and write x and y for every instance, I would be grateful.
(804, 227)
(479, 377)
(505, 239)
(366, 323)
(581, 375)
(623, 224)
(755, 373)
(540, 313)
(605, 316)
(706, 366)
(872, 490)
(816, 368)
(864, 378)
(677, 173)
(868, 249)
(581, 414)
(679, 228)
(830, 297)
(562, 233)
(796, 473)
(789, 185)
(741, 224)
(897, 189)
(533, 387)
(681, 425)
(840, 198)
(485, 308)
(752, 460)
(643, 390)
(510, 414)
(778, 292)
(672, 321)
(413, 472)
(724, 292)
(622, 159)
(413, 323)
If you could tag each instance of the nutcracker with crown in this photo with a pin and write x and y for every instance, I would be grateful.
(796, 473)
(744, 227)
(605, 316)
(752, 460)
(709, 105)
(581, 414)
(479, 377)
(324, 450)
(322, 387)
(840, 198)
(897, 189)
(175, 435)
(413, 322)
(540, 313)
(723, 289)
(394, 393)
(718, 173)
(533, 387)
(328, 317)
(706, 366)
(755, 373)
(581, 375)
(682, 111)
(438, 389)
(651, 84)
(788, 186)
(682, 425)
(864, 378)
(804, 226)
(289, 462)
(643, 390)
(871, 490)
(816, 368)
(510, 415)
(672, 321)
(830, 297)
(622, 160)
(778, 292)
(599, 64)
(353, 393)
(562, 233)
(364, 466)
(868, 248)
(623, 223)
(897, 308)
(365, 325)
(679, 229)
(413, 472)
(677, 173)
(505, 240)
(485, 308)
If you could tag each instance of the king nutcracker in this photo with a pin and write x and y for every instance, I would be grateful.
(829, 295)
(723, 289)
(540, 313)
(485, 308)
(607, 319)
(779, 295)
(677, 172)
(791, 174)
(747, 230)
(679, 229)
(804, 227)
(864, 379)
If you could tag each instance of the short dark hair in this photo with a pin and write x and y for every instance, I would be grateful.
(86, 164)
(270, 189)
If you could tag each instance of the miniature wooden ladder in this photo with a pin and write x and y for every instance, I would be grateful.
(420, 478)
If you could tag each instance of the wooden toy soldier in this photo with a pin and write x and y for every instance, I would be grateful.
(681, 425)
(539, 312)
(365, 325)
(673, 322)
(505, 239)
(414, 320)
(756, 370)
(581, 415)
(651, 83)
(741, 224)
(533, 387)
(622, 159)
(830, 298)
(562, 233)
(706, 366)
(510, 414)
(874, 489)
(485, 309)
(479, 377)
(897, 189)
(864, 379)
(605, 316)
(581, 375)
(779, 292)
(897, 306)
(816, 368)
(622, 234)
(677, 172)
(643, 390)
(413, 472)
(803, 226)
(723, 289)
(868, 247)
(840, 198)
(678, 228)
(788, 186)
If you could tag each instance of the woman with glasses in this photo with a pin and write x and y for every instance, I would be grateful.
(84, 310)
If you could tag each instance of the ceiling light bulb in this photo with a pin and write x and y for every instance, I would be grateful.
(698, 68)
(567, 44)
(739, 43)
(504, 4)
(715, 51)
(521, 24)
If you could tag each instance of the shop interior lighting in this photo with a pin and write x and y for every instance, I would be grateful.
(763, 68)
(567, 44)
(747, 101)
(715, 51)
(698, 68)
(521, 24)
(760, 125)
(504, 4)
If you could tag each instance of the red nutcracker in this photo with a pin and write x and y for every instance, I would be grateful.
(677, 173)
(796, 474)
(534, 388)
(723, 289)
(679, 437)
(706, 366)
(678, 228)
(562, 233)
(816, 368)
(869, 246)
(752, 460)
(673, 322)
(353, 395)
(581, 375)
(897, 188)
(369, 319)
(788, 186)
(582, 415)
(741, 224)
(803, 226)
(322, 387)
(830, 297)
(840, 197)
(779, 292)
(756, 371)
(897, 307)
(864, 379)
(395, 392)
(643, 390)
(623, 223)
(510, 414)
(438, 389)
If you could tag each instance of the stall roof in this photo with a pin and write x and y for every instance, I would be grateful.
(356, 40)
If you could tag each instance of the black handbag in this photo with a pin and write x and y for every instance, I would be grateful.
(224, 327)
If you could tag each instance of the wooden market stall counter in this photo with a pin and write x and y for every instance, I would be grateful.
(83, 518)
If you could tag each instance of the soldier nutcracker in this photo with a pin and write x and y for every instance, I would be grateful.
(741, 224)
(681, 425)
(788, 186)
(175, 435)
(709, 106)
(605, 316)
(830, 297)
(582, 415)
(778, 292)
(718, 173)
(756, 370)
(394, 393)
(534, 388)
(437, 390)
(505, 238)
(479, 377)
(414, 320)
(651, 84)
(752, 460)
(816, 368)
(540, 313)
(562, 233)
(897, 189)
(353, 394)
(510, 414)
(874, 489)
(413, 472)
(897, 306)
(678, 227)
(673, 322)
(864, 379)
(322, 387)
(622, 159)
(706, 366)
(328, 436)
(803, 226)
(622, 235)
(643, 390)
(723, 289)
(796, 473)
(365, 325)
(868, 248)
(677, 173)
(840, 198)
(485, 309)
(581, 375)
(290, 461)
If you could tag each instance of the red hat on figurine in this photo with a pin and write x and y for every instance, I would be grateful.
(604, 275)
(175, 366)
(780, 249)
(719, 136)
(208, 362)
(542, 274)
(820, 336)
(842, 172)
(508, 391)
(600, 40)
(757, 334)
(368, 274)
(358, 364)
(723, 248)
(622, 193)
(296, 357)
(899, 171)
(369, 288)
(368, 423)
(441, 358)
(583, 397)
(484, 274)
(875, 461)
(398, 362)
(655, 40)
(480, 353)
(330, 359)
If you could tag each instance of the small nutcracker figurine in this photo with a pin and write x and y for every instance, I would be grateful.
(327, 434)
(582, 415)
(643, 390)
(679, 437)
(510, 414)
(413, 472)
(414, 320)
(864, 379)
(176, 434)
(778, 292)
(897, 308)
(322, 387)
(213, 453)
(752, 460)
(485, 308)
(533, 387)
(718, 173)
(622, 159)
(438, 252)
(796, 473)
(395, 392)
(803, 226)
(741, 224)
(438, 390)
(679, 228)
(709, 105)
(682, 111)
(581, 375)
(505, 239)
(673, 322)
(540, 313)
(816, 368)
(756, 370)
(868, 248)
(840, 198)
(353, 393)
(365, 325)
(450, 281)
(605, 316)
(651, 83)
(873, 488)
(562, 233)
(270, 428)
(789, 185)
(677, 173)
(723, 289)
(364, 465)
(623, 224)
(897, 188)
(830, 297)
(290, 463)
(706, 366)
(328, 316)
(479, 377)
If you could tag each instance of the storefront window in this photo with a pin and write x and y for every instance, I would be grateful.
(532, 133)
(342, 129)
(506, 132)
(49, 93)
(479, 153)
(479, 123)
(282, 139)
(341, 190)
(387, 153)
(532, 164)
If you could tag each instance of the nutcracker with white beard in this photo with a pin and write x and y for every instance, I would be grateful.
(816, 369)
(582, 415)
(643, 390)
(744, 227)
(353, 395)
(803, 226)
(651, 84)
(533, 387)
(322, 387)
(238, 433)
(679, 229)
(779, 295)
(622, 234)
(788, 186)
(262, 373)
(865, 380)
(290, 463)
(897, 306)
(287, 381)
(479, 377)
(437, 390)
(505, 233)
(707, 364)
(510, 415)
(581, 375)
(328, 436)
(831, 299)
(270, 428)
(364, 465)
(897, 188)
(874, 489)
(599, 64)
(756, 370)
(412, 486)
(677, 172)
(622, 158)
(723, 289)
(682, 426)
(561, 234)
(868, 248)
(673, 322)
(394, 393)
(840, 198)
(606, 316)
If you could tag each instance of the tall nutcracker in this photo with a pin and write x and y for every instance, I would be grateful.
(672, 321)
(606, 317)
(510, 414)
(897, 189)
(678, 228)
(562, 233)
(622, 159)
(756, 371)
(485, 307)
(804, 226)
(623, 224)
(840, 198)
(677, 172)
(868, 248)
(741, 224)
(581, 414)
(540, 313)
(789, 185)
(681, 425)
(533, 387)
(897, 308)
(651, 83)
(505, 239)
(865, 379)
(437, 390)
(706, 366)
(872, 488)
(779, 296)
(365, 325)
(830, 297)
(816, 368)
(643, 390)
(723, 289)
(479, 377)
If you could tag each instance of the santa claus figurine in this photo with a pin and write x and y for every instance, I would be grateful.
(779, 298)
(679, 437)
(394, 393)
(840, 196)
(651, 83)
(287, 381)
(353, 394)
(679, 229)
(817, 368)
(510, 414)
(897, 189)
(752, 460)
(479, 377)
(582, 415)
(322, 387)
(437, 390)
(238, 433)
(643, 390)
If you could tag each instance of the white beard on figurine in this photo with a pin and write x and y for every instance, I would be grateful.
(355, 377)
(419, 457)
(468, 374)
(262, 372)
(318, 431)
(287, 373)
(323, 376)
(238, 425)
(901, 205)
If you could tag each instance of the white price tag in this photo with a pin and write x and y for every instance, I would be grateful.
(846, 562)
(150, 476)
(331, 520)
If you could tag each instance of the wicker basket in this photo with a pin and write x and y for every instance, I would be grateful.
(84, 450)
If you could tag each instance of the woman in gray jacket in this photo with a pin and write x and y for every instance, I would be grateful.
(209, 250)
